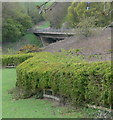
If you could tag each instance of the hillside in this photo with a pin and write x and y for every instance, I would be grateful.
(96, 46)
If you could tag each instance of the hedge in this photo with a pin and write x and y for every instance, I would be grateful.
(15, 59)
(80, 82)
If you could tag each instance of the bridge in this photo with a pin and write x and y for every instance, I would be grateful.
(50, 35)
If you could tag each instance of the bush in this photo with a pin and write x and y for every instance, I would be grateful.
(80, 82)
(15, 59)
(29, 49)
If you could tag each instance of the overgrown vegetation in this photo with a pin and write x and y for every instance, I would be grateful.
(17, 18)
(29, 49)
(78, 11)
(86, 26)
(27, 39)
(31, 39)
(80, 82)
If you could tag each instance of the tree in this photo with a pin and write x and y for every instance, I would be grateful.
(57, 13)
(32, 11)
(11, 30)
(86, 26)
(15, 22)
(78, 11)
(72, 17)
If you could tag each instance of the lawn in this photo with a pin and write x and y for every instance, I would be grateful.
(34, 108)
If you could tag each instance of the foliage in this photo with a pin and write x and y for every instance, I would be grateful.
(32, 108)
(31, 39)
(17, 18)
(15, 59)
(77, 11)
(86, 26)
(11, 30)
(80, 82)
(15, 22)
(32, 11)
(27, 39)
(29, 48)
(72, 17)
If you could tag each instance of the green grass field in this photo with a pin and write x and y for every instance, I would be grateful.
(33, 108)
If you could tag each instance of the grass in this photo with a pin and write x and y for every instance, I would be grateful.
(34, 108)
(32, 39)
(45, 24)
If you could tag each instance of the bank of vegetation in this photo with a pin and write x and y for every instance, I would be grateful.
(18, 17)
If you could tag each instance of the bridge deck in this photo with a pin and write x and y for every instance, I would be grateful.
(47, 34)
(54, 31)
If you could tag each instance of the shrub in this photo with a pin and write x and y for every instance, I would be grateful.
(29, 49)
(15, 59)
(80, 82)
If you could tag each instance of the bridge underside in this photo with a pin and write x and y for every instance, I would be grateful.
(51, 38)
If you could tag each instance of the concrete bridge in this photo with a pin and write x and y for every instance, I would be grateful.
(50, 35)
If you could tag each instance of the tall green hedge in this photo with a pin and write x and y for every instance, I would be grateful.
(80, 82)
(15, 59)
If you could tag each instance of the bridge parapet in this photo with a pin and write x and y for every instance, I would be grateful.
(54, 31)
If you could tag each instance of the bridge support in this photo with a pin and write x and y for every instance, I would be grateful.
(51, 37)
(43, 40)
(46, 41)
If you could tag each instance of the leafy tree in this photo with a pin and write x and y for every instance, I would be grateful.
(24, 20)
(11, 30)
(78, 11)
(17, 18)
(15, 22)
(72, 16)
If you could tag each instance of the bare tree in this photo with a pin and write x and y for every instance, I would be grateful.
(56, 13)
